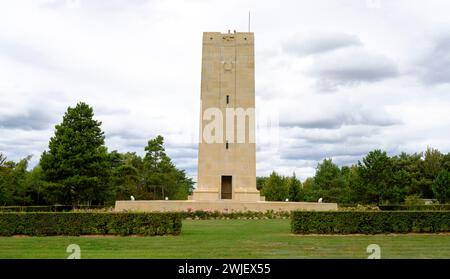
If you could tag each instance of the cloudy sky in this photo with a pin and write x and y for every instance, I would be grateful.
(338, 78)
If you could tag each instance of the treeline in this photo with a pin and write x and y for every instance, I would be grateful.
(377, 179)
(77, 169)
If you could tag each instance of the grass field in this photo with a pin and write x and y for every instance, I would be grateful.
(229, 239)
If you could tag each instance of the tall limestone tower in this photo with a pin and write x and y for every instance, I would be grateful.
(227, 152)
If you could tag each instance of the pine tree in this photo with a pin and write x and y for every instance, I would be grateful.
(441, 187)
(294, 189)
(161, 178)
(76, 164)
(274, 188)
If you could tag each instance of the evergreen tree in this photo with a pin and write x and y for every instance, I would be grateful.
(446, 162)
(376, 175)
(21, 191)
(329, 182)
(294, 189)
(6, 169)
(76, 164)
(308, 192)
(441, 187)
(430, 167)
(161, 178)
(407, 174)
(126, 175)
(274, 188)
(260, 180)
(327, 175)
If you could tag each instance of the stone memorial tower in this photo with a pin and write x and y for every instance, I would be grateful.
(227, 152)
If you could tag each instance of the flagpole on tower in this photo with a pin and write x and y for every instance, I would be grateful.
(249, 21)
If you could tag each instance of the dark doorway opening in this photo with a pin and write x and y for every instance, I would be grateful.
(227, 188)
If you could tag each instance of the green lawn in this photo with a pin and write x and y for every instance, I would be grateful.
(230, 239)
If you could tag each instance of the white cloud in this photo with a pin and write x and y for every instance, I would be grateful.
(319, 43)
(434, 66)
(351, 66)
(138, 64)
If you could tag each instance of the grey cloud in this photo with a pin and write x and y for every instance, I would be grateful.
(138, 139)
(344, 118)
(182, 152)
(134, 145)
(320, 43)
(125, 141)
(103, 110)
(26, 54)
(319, 152)
(338, 60)
(18, 144)
(125, 134)
(129, 138)
(347, 160)
(332, 123)
(189, 165)
(34, 119)
(93, 4)
(434, 66)
(341, 137)
(352, 145)
(351, 67)
(184, 155)
(183, 145)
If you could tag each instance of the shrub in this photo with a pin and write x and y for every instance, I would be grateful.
(441, 186)
(50, 208)
(369, 222)
(207, 214)
(85, 223)
(427, 207)
(358, 207)
(413, 200)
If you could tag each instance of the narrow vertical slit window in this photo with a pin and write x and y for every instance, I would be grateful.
(226, 145)
(228, 99)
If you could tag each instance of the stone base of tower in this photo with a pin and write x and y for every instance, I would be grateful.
(242, 195)
(245, 196)
(221, 206)
(204, 195)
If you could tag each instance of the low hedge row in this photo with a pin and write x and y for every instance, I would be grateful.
(206, 215)
(370, 222)
(431, 207)
(87, 223)
(49, 208)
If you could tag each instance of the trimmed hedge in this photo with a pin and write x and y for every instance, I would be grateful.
(432, 207)
(49, 208)
(370, 222)
(208, 215)
(87, 223)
